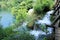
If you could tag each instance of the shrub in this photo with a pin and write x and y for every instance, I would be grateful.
(20, 13)
(43, 5)
(29, 4)
(26, 36)
(21, 36)
(2, 33)
(9, 31)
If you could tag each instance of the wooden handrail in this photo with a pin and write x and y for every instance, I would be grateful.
(57, 6)
(57, 18)
(56, 10)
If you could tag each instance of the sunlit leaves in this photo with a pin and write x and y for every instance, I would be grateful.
(20, 13)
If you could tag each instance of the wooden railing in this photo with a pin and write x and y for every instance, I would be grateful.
(56, 22)
(56, 13)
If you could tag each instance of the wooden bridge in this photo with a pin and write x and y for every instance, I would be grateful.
(56, 22)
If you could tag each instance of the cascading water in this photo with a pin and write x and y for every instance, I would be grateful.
(45, 20)
(38, 33)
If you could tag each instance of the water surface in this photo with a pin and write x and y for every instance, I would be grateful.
(6, 18)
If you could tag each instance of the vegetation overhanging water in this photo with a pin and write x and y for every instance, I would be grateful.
(27, 19)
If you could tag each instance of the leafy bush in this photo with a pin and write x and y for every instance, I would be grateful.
(7, 5)
(2, 33)
(20, 13)
(29, 4)
(26, 36)
(9, 30)
(21, 36)
(43, 5)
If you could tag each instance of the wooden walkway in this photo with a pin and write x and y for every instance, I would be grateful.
(56, 22)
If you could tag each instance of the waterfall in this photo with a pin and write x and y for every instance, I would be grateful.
(45, 20)
(38, 33)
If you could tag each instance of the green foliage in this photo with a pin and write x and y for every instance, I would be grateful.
(43, 5)
(52, 18)
(45, 38)
(2, 33)
(26, 36)
(43, 27)
(29, 4)
(20, 36)
(19, 9)
(20, 13)
(9, 31)
(8, 4)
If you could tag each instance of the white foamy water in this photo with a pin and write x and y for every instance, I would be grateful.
(36, 33)
(45, 20)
